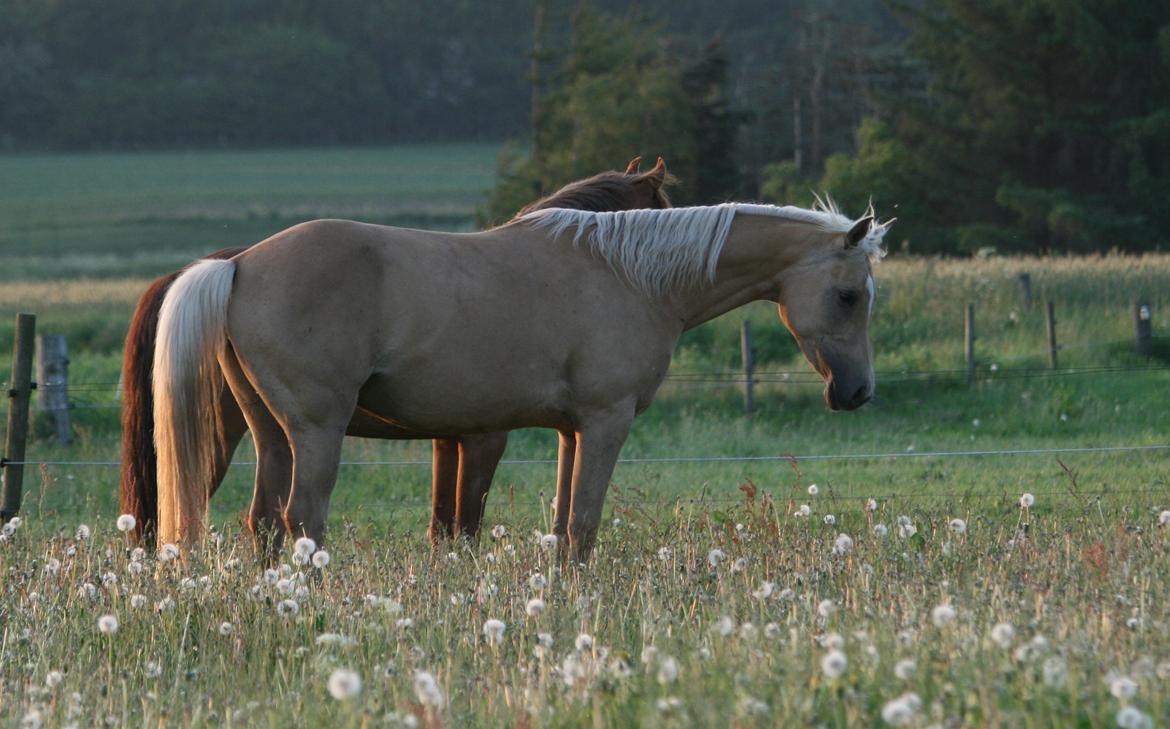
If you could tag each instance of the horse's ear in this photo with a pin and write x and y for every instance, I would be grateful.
(635, 166)
(657, 176)
(858, 232)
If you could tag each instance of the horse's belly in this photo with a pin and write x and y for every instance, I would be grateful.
(434, 403)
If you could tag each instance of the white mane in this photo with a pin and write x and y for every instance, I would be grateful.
(663, 251)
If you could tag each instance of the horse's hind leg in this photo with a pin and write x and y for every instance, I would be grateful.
(316, 455)
(273, 462)
(479, 456)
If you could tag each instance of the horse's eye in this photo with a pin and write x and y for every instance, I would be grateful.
(848, 298)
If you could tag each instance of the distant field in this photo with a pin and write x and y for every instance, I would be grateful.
(113, 215)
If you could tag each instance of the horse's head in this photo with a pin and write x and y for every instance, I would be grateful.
(827, 301)
(612, 190)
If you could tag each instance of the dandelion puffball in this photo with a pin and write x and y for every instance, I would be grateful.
(548, 542)
(426, 688)
(880, 531)
(320, 559)
(344, 684)
(168, 552)
(942, 615)
(958, 526)
(1027, 500)
(844, 544)
(715, 556)
(667, 670)
(534, 607)
(499, 532)
(493, 630)
(108, 624)
(834, 663)
(304, 546)
(1003, 634)
(1164, 518)
(1123, 688)
(813, 490)
(584, 642)
(126, 522)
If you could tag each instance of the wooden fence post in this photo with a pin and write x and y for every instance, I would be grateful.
(1143, 324)
(19, 391)
(1052, 346)
(969, 334)
(1026, 289)
(53, 383)
(745, 351)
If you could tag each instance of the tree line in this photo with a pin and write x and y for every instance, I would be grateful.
(1029, 125)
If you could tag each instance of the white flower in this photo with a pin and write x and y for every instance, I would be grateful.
(765, 591)
(958, 526)
(499, 532)
(880, 531)
(1164, 518)
(534, 607)
(548, 542)
(830, 519)
(537, 581)
(804, 510)
(82, 532)
(226, 628)
(667, 670)
(1123, 687)
(493, 630)
(905, 668)
(287, 608)
(813, 490)
(1027, 500)
(844, 544)
(108, 624)
(1003, 634)
(427, 690)
(53, 679)
(344, 684)
(168, 552)
(305, 546)
(1131, 718)
(942, 615)
(320, 559)
(834, 663)
(715, 556)
(126, 522)
(899, 712)
(584, 642)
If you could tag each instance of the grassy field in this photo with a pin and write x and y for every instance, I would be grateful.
(710, 601)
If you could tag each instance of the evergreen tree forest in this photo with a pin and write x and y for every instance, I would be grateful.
(1033, 125)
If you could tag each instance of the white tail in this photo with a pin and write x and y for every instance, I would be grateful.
(187, 384)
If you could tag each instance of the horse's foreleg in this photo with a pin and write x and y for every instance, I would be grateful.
(599, 441)
(566, 455)
(479, 456)
(444, 487)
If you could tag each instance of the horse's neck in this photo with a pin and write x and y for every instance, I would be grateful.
(757, 253)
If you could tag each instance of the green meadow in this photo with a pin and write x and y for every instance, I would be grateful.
(679, 631)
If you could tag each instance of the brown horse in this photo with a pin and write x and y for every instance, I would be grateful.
(564, 319)
(463, 466)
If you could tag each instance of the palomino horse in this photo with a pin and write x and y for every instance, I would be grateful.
(463, 466)
(563, 319)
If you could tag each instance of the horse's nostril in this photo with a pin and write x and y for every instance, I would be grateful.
(860, 397)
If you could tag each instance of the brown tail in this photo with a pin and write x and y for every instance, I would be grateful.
(139, 483)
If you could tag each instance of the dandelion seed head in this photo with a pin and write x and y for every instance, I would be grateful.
(1129, 717)
(304, 546)
(534, 607)
(1123, 688)
(82, 532)
(880, 531)
(126, 522)
(813, 490)
(667, 670)
(548, 542)
(1003, 635)
(287, 608)
(584, 642)
(108, 624)
(321, 559)
(826, 608)
(493, 631)
(53, 679)
(344, 684)
(426, 688)
(537, 581)
(715, 556)
(830, 519)
(905, 668)
(168, 552)
(1164, 518)
(833, 664)
(958, 526)
(1027, 500)
(871, 504)
(843, 545)
(942, 615)
(499, 532)
(226, 628)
